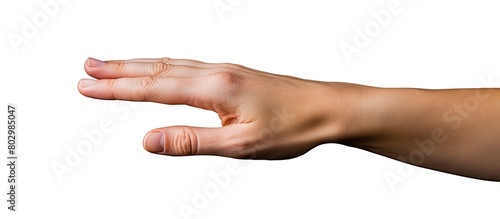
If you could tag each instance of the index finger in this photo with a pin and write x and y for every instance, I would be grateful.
(199, 92)
(142, 68)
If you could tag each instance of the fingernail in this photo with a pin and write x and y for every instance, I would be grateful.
(154, 142)
(87, 82)
(91, 62)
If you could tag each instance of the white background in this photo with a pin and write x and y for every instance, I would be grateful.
(429, 44)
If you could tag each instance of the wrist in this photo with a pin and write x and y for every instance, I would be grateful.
(341, 106)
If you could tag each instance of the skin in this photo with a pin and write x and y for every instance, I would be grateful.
(269, 116)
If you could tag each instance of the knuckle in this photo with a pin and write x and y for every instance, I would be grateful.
(120, 65)
(111, 83)
(226, 78)
(165, 60)
(147, 85)
(184, 141)
(147, 82)
(160, 67)
(222, 87)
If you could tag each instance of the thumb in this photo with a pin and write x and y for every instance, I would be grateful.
(226, 141)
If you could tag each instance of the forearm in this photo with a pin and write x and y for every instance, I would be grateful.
(455, 131)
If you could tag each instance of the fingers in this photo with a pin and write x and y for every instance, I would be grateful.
(145, 68)
(184, 140)
(187, 62)
(199, 91)
(137, 89)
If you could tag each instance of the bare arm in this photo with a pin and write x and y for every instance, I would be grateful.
(268, 116)
(455, 131)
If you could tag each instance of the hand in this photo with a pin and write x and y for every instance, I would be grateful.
(263, 116)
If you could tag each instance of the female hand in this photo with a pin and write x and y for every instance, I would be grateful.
(263, 116)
